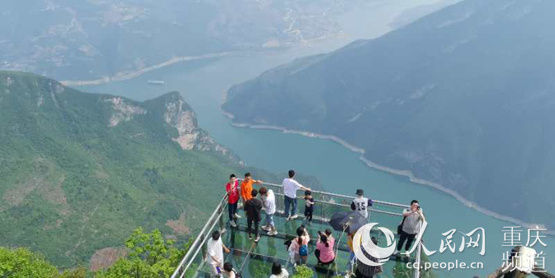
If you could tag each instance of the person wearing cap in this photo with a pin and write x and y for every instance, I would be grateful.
(361, 203)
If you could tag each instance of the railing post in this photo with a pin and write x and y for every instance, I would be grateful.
(202, 247)
(220, 219)
(418, 260)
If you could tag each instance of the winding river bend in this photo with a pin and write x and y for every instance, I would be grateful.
(203, 83)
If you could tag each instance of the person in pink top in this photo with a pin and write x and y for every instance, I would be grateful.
(324, 248)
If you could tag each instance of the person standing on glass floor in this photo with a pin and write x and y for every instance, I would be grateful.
(290, 187)
(361, 203)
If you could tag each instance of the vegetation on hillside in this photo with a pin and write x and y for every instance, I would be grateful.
(78, 171)
(73, 183)
(150, 255)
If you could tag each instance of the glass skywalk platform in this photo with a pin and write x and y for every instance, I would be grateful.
(252, 259)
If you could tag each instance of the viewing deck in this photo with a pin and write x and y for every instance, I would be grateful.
(252, 259)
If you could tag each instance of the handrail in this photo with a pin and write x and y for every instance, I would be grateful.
(345, 196)
(195, 243)
(200, 247)
(348, 206)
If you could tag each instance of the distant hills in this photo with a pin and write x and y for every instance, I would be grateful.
(80, 171)
(93, 39)
(463, 97)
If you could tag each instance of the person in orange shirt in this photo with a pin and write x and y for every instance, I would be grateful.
(246, 187)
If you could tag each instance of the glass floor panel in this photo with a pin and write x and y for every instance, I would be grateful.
(255, 259)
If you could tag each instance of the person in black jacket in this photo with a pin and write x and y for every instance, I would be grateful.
(253, 208)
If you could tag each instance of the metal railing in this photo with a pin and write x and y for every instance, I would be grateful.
(344, 197)
(326, 203)
(199, 242)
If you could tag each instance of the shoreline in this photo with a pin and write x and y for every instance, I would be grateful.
(404, 173)
(126, 75)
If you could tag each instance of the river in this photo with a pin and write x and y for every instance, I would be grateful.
(203, 84)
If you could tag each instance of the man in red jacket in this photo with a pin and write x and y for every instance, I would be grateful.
(232, 189)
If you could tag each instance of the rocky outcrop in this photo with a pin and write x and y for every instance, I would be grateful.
(179, 115)
(123, 111)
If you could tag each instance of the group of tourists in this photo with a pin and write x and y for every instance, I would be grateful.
(255, 201)
(267, 202)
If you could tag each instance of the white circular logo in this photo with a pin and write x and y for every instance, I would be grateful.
(362, 240)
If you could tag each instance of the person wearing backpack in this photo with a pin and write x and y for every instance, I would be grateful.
(298, 250)
(410, 226)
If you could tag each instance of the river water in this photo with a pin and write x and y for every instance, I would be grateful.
(203, 84)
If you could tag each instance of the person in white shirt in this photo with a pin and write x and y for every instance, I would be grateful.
(269, 202)
(278, 271)
(215, 249)
(361, 203)
(290, 187)
(228, 271)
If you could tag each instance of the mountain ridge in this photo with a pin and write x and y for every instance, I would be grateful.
(80, 171)
(439, 97)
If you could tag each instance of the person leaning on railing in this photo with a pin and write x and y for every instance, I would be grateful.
(361, 203)
(246, 187)
(290, 187)
(309, 206)
(410, 226)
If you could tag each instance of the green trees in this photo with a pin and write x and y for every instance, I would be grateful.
(150, 255)
(303, 271)
(22, 263)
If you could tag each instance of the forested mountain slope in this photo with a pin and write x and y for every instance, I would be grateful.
(79, 172)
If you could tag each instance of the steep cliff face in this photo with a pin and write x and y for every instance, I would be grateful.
(177, 114)
(78, 171)
(123, 111)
